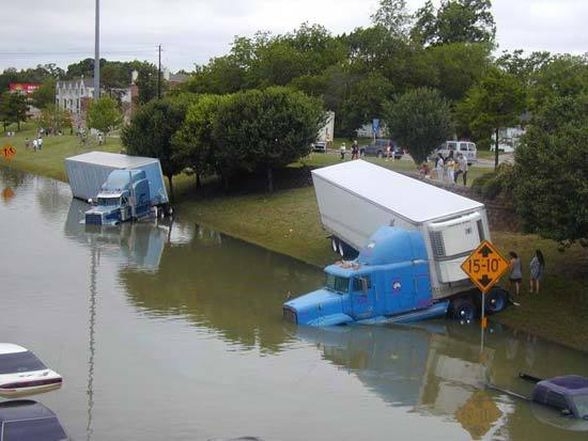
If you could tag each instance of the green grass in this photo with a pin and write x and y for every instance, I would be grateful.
(287, 222)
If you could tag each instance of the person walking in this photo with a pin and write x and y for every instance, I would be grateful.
(516, 272)
(342, 150)
(439, 169)
(536, 268)
(463, 167)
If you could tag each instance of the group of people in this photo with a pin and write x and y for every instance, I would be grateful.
(354, 150)
(536, 271)
(449, 169)
(35, 144)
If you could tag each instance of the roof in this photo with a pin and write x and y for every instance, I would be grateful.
(21, 409)
(10, 348)
(115, 160)
(410, 198)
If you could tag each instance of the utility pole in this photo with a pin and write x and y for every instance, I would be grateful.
(97, 53)
(159, 74)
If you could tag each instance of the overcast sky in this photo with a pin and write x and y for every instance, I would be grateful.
(192, 31)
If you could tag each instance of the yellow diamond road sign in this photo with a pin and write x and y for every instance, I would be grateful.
(485, 266)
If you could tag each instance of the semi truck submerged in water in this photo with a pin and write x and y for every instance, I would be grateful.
(405, 241)
(120, 187)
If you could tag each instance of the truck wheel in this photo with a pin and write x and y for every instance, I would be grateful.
(496, 300)
(380, 155)
(463, 310)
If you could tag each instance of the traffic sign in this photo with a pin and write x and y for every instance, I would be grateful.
(8, 152)
(485, 266)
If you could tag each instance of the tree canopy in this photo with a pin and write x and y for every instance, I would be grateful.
(104, 115)
(419, 120)
(551, 170)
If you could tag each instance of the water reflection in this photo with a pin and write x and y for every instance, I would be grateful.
(224, 284)
(441, 368)
(135, 245)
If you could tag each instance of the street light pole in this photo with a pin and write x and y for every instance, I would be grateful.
(97, 53)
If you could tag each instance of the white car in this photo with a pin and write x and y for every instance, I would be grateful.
(22, 373)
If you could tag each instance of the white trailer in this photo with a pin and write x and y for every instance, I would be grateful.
(355, 198)
(87, 172)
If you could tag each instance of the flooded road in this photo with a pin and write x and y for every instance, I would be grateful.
(174, 332)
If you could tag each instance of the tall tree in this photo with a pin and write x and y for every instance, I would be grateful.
(551, 170)
(455, 21)
(151, 131)
(45, 94)
(104, 115)
(419, 120)
(497, 101)
(13, 108)
(394, 16)
(263, 130)
(195, 141)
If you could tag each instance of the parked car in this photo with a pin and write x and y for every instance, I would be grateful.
(28, 420)
(22, 373)
(466, 148)
(319, 146)
(379, 148)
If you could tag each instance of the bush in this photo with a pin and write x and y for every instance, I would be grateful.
(494, 184)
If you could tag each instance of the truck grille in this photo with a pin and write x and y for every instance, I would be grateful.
(93, 219)
(289, 315)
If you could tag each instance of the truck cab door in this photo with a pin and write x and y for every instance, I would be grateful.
(362, 297)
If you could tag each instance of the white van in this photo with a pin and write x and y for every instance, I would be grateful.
(466, 148)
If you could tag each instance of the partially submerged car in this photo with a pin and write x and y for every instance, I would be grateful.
(567, 393)
(23, 373)
(28, 420)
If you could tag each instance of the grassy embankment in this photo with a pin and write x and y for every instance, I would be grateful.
(288, 222)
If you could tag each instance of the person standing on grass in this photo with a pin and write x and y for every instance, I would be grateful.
(516, 272)
(463, 167)
(536, 267)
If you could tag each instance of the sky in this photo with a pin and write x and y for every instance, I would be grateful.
(191, 32)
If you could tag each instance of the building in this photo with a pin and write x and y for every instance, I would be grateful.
(76, 95)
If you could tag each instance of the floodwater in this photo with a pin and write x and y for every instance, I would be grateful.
(175, 333)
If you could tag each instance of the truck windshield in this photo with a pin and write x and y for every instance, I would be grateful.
(336, 283)
(109, 201)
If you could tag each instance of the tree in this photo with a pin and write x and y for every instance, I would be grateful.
(263, 130)
(419, 120)
(52, 116)
(456, 67)
(147, 83)
(45, 94)
(551, 171)
(365, 102)
(104, 115)
(497, 101)
(394, 16)
(151, 131)
(195, 141)
(455, 21)
(13, 108)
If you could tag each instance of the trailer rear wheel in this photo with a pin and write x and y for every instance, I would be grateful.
(496, 300)
(463, 310)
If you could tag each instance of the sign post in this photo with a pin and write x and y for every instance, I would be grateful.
(484, 267)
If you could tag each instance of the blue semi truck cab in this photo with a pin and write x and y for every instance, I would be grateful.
(124, 196)
(389, 281)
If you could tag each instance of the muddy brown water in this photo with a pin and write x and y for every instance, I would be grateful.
(174, 332)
